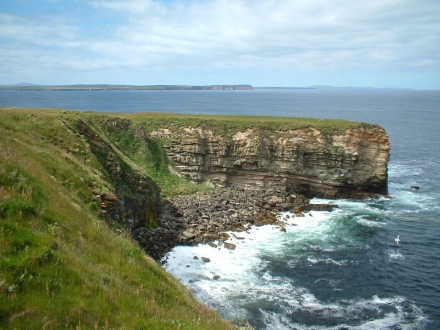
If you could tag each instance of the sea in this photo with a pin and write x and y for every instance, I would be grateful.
(329, 270)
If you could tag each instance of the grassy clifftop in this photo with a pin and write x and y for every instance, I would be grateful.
(61, 265)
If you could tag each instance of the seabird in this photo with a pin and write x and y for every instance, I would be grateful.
(397, 239)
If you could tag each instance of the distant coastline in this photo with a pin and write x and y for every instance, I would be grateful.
(285, 88)
(104, 87)
(30, 87)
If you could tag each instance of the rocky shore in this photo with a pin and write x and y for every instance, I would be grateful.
(207, 217)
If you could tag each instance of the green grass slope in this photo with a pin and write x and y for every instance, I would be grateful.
(61, 266)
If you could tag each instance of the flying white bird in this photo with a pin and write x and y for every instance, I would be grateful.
(397, 239)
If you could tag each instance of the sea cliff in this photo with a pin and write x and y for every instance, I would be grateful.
(266, 165)
(344, 164)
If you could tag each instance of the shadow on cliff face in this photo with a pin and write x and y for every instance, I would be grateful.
(135, 198)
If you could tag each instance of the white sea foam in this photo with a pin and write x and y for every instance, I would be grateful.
(414, 202)
(396, 255)
(361, 219)
(328, 261)
(396, 317)
(404, 170)
(248, 245)
(406, 200)
(353, 207)
(241, 270)
(245, 279)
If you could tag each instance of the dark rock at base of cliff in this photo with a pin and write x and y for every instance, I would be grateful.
(319, 207)
(205, 217)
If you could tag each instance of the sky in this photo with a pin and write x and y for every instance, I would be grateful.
(265, 43)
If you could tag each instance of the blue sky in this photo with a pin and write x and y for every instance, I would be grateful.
(344, 43)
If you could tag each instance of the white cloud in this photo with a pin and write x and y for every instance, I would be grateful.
(291, 35)
(37, 31)
(302, 35)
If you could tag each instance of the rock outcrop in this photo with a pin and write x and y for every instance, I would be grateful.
(351, 164)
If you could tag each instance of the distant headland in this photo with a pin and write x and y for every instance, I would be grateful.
(103, 87)
(31, 87)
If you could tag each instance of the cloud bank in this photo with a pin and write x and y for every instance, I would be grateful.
(141, 39)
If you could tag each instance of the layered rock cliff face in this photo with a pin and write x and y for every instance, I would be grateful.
(351, 164)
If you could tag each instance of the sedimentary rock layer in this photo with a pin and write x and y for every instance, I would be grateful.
(351, 164)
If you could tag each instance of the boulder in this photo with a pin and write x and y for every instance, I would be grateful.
(224, 236)
(275, 200)
(229, 246)
(188, 234)
(210, 237)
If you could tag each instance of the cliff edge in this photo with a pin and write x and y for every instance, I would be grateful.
(349, 163)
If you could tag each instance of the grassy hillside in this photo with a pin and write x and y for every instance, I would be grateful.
(61, 267)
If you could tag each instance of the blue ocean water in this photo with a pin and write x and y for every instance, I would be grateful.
(332, 270)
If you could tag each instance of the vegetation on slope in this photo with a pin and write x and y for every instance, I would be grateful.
(61, 267)
(229, 124)
(140, 151)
